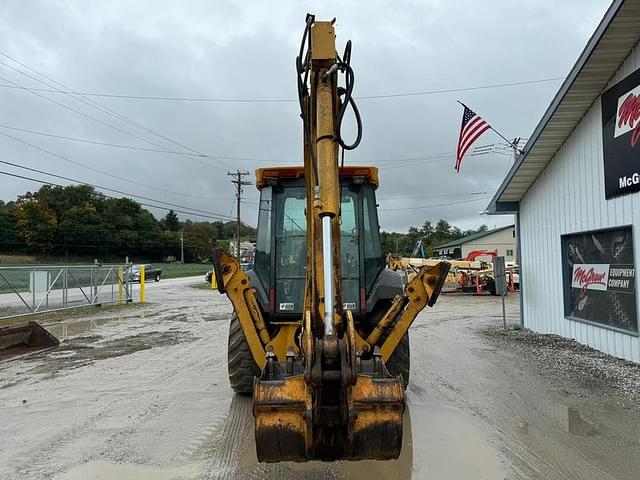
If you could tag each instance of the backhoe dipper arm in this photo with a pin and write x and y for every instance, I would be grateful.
(323, 184)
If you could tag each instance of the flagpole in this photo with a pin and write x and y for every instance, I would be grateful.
(511, 144)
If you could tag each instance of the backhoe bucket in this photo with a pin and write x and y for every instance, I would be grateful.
(377, 407)
(292, 425)
(282, 410)
(19, 340)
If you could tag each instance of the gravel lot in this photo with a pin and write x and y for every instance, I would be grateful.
(562, 359)
(142, 393)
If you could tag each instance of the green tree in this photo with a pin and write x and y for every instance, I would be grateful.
(171, 222)
(79, 220)
(36, 223)
(9, 239)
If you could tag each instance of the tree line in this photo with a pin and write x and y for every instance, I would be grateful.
(77, 220)
(431, 235)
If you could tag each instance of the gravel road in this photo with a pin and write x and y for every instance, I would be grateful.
(142, 393)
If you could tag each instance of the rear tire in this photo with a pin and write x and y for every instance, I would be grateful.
(157, 277)
(240, 364)
(400, 361)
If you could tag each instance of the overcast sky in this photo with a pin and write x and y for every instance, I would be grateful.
(246, 50)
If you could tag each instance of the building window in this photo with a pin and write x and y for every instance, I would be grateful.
(599, 278)
(509, 253)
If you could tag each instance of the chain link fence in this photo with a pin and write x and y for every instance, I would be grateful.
(25, 290)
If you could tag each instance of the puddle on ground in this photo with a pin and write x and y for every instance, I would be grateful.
(217, 317)
(568, 418)
(84, 350)
(438, 443)
(101, 470)
(77, 326)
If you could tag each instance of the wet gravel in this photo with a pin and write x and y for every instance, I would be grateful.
(144, 394)
(562, 359)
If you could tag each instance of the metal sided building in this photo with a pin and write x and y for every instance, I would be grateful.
(500, 240)
(575, 192)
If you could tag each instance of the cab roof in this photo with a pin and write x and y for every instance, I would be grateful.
(368, 174)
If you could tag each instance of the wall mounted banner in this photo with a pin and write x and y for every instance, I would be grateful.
(621, 137)
(599, 278)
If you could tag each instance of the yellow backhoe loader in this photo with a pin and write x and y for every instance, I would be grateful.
(320, 332)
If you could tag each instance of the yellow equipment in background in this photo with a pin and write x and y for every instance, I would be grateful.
(319, 334)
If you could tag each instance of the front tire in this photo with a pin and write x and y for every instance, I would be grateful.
(157, 277)
(240, 364)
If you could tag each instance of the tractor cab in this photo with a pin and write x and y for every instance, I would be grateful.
(281, 245)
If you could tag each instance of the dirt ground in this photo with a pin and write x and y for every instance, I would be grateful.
(143, 393)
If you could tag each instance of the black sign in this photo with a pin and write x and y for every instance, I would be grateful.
(621, 137)
(599, 278)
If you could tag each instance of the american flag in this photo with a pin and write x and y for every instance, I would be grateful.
(472, 128)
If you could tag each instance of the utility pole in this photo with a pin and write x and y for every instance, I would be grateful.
(239, 183)
(516, 149)
(182, 247)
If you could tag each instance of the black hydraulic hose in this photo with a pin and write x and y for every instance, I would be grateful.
(302, 70)
(346, 56)
(302, 60)
(348, 100)
(344, 65)
(345, 93)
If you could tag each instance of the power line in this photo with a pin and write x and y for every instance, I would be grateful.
(96, 142)
(395, 161)
(287, 100)
(133, 147)
(419, 160)
(93, 103)
(429, 195)
(70, 93)
(44, 182)
(62, 177)
(424, 207)
(415, 159)
(84, 115)
(97, 170)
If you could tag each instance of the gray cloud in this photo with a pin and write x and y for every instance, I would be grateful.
(246, 50)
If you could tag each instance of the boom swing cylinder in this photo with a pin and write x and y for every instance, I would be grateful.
(322, 332)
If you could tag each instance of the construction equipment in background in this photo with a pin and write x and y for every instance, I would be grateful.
(23, 339)
(465, 276)
(475, 254)
(418, 249)
(320, 332)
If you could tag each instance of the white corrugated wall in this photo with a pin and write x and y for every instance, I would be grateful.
(568, 197)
